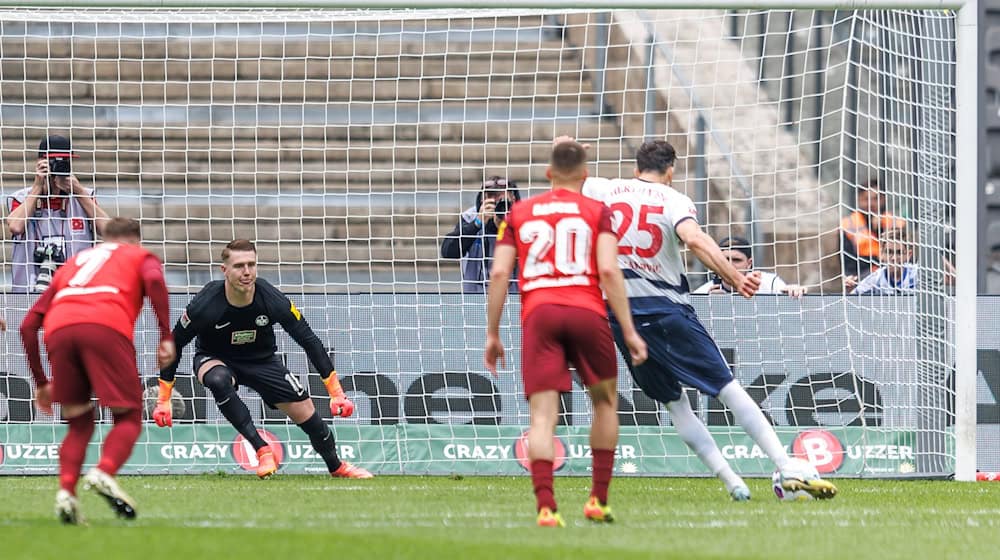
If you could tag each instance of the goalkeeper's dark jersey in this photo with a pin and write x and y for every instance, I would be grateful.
(243, 333)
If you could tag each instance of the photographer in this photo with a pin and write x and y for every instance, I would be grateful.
(53, 219)
(737, 251)
(474, 237)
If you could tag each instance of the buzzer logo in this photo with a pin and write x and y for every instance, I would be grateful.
(821, 448)
(521, 452)
(246, 456)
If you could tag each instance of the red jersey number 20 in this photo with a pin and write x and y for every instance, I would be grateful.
(563, 249)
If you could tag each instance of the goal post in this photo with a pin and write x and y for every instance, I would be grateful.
(347, 138)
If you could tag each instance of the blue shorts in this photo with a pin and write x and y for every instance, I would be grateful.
(680, 351)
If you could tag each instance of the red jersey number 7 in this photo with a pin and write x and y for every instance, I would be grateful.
(643, 224)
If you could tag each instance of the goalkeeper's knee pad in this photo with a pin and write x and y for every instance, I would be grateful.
(220, 381)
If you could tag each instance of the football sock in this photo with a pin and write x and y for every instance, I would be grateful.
(603, 462)
(322, 440)
(220, 381)
(120, 440)
(541, 479)
(694, 433)
(73, 450)
(753, 421)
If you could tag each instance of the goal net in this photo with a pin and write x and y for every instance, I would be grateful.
(353, 147)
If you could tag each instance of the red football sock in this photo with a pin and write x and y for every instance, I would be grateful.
(603, 464)
(118, 445)
(74, 449)
(541, 479)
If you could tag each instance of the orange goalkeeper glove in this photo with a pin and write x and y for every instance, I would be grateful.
(340, 405)
(163, 414)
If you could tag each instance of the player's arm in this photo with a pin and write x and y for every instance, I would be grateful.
(613, 283)
(298, 328)
(504, 259)
(30, 326)
(183, 333)
(155, 288)
(708, 252)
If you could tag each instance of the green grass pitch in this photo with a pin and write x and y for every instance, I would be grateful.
(292, 517)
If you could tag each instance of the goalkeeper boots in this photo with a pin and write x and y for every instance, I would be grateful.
(68, 508)
(266, 465)
(817, 487)
(594, 510)
(549, 518)
(105, 485)
(347, 470)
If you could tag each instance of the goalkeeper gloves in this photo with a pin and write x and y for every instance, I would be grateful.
(163, 414)
(340, 405)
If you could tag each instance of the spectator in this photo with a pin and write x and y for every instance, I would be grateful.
(898, 275)
(53, 219)
(860, 230)
(474, 238)
(737, 251)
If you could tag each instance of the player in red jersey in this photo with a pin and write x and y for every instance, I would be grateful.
(566, 252)
(89, 313)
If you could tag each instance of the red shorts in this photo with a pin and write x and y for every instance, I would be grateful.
(555, 336)
(93, 359)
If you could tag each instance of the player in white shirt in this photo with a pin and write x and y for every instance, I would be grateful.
(737, 250)
(652, 220)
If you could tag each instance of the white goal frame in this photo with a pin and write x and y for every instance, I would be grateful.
(966, 150)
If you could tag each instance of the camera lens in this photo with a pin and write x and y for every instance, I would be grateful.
(59, 166)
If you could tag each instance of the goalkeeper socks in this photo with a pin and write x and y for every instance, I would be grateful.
(220, 381)
(322, 440)
(753, 421)
(120, 440)
(73, 449)
(603, 462)
(541, 479)
(698, 439)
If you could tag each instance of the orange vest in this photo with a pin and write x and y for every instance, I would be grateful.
(855, 226)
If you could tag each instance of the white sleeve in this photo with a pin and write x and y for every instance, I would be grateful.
(679, 208)
(703, 289)
(777, 284)
(869, 283)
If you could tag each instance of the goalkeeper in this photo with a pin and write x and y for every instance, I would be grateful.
(233, 320)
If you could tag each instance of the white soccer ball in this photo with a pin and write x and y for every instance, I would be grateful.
(784, 481)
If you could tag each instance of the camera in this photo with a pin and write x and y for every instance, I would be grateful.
(59, 166)
(502, 208)
(48, 257)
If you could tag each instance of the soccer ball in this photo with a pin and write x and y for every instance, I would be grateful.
(783, 481)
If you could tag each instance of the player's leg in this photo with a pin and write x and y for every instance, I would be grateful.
(749, 416)
(543, 407)
(545, 374)
(658, 378)
(304, 414)
(80, 421)
(218, 378)
(72, 389)
(591, 350)
(112, 371)
(697, 437)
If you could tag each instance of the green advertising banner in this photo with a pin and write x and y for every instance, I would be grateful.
(464, 449)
